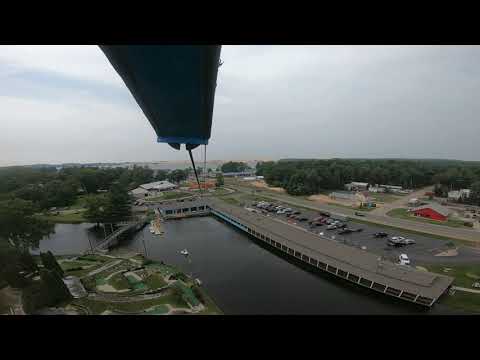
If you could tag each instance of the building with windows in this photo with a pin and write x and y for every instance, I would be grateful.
(456, 195)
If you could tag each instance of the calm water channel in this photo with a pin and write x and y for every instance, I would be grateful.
(239, 274)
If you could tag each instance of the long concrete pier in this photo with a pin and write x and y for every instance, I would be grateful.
(354, 265)
(348, 263)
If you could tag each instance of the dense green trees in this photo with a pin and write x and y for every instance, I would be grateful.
(47, 187)
(19, 226)
(19, 231)
(233, 166)
(114, 207)
(178, 175)
(302, 177)
(220, 181)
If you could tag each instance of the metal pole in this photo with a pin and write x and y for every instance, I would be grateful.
(88, 236)
(105, 231)
(144, 247)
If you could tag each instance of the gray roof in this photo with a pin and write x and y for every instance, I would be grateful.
(158, 185)
(139, 190)
(438, 208)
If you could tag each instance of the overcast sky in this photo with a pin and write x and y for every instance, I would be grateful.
(67, 104)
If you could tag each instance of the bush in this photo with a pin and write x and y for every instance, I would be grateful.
(198, 294)
(34, 297)
(50, 263)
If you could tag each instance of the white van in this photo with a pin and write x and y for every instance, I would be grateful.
(404, 260)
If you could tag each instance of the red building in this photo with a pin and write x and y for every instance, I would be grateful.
(432, 211)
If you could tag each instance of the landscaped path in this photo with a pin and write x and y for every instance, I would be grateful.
(105, 267)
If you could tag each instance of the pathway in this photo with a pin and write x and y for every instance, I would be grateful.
(104, 267)
(466, 290)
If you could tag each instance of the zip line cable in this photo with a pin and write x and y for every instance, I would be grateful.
(194, 168)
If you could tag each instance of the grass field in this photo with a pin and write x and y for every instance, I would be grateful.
(463, 301)
(98, 307)
(465, 275)
(404, 214)
(385, 198)
(65, 218)
(155, 281)
(119, 282)
(81, 200)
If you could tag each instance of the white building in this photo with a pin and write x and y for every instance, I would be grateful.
(152, 189)
(355, 185)
(457, 194)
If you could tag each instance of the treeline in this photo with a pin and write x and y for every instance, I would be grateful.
(234, 166)
(306, 177)
(47, 187)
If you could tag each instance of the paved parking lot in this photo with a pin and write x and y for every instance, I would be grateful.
(424, 251)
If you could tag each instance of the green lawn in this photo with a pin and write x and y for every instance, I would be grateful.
(97, 307)
(404, 214)
(65, 218)
(155, 281)
(80, 201)
(231, 201)
(385, 198)
(462, 300)
(465, 275)
(119, 282)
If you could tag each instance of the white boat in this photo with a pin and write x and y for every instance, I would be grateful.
(184, 252)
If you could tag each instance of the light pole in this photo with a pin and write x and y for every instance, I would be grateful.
(88, 237)
(144, 246)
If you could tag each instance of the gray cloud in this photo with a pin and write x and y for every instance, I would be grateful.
(272, 102)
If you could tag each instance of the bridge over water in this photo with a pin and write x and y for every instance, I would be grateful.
(112, 239)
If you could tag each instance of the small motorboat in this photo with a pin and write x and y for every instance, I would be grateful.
(184, 252)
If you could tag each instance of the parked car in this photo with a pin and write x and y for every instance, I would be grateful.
(302, 218)
(331, 227)
(404, 260)
(358, 213)
(380, 234)
(396, 241)
(341, 226)
(345, 231)
(409, 241)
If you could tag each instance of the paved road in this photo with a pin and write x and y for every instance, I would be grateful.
(441, 230)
